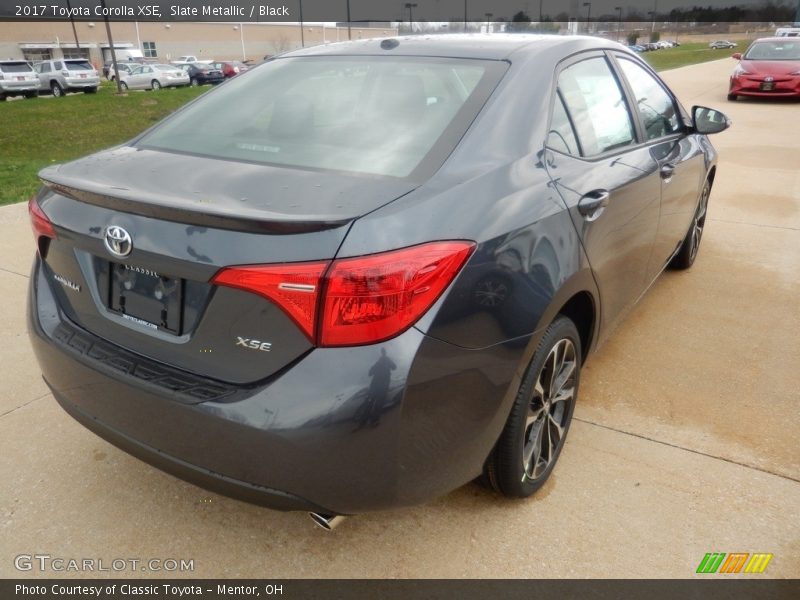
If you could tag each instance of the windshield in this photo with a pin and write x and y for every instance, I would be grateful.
(20, 67)
(788, 50)
(80, 65)
(373, 115)
(166, 67)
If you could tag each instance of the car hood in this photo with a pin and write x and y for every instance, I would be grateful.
(221, 193)
(771, 67)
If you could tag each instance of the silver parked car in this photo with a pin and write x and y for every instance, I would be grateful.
(17, 78)
(125, 69)
(67, 75)
(154, 77)
(722, 45)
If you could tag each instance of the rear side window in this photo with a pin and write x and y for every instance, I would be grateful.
(597, 107)
(561, 136)
(655, 106)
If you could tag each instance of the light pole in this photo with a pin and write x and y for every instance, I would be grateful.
(619, 20)
(302, 35)
(411, 6)
(74, 31)
(588, 14)
(349, 33)
(488, 20)
(655, 10)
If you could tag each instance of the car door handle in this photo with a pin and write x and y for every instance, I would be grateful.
(667, 171)
(590, 203)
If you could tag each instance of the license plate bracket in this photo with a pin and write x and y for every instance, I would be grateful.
(146, 297)
(767, 86)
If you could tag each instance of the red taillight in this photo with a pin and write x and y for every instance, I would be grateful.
(294, 287)
(373, 298)
(40, 224)
(365, 299)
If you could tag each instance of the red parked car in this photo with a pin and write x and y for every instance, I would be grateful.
(770, 67)
(231, 68)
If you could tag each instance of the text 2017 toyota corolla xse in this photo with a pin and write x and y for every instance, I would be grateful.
(375, 271)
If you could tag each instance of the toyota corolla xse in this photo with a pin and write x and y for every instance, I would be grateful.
(375, 272)
(769, 68)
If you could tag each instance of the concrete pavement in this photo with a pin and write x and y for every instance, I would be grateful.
(685, 438)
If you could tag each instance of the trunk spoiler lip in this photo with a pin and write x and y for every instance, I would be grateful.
(202, 215)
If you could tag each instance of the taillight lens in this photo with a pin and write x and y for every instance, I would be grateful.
(362, 300)
(373, 298)
(40, 224)
(293, 287)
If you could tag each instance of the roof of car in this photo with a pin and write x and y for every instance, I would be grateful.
(498, 46)
(779, 38)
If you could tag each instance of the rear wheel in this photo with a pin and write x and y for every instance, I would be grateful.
(732, 97)
(691, 243)
(537, 427)
(56, 89)
(155, 84)
(194, 82)
(123, 86)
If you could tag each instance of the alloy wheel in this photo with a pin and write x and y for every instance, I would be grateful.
(699, 222)
(549, 410)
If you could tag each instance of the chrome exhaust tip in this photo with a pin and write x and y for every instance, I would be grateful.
(326, 522)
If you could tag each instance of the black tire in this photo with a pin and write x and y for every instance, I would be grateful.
(29, 95)
(691, 243)
(57, 90)
(732, 97)
(194, 82)
(517, 465)
(155, 84)
(123, 86)
(91, 90)
(3, 97)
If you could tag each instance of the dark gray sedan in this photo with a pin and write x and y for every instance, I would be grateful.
(361, 275)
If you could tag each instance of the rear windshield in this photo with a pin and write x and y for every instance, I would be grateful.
(166, 67)
(372, 115)
(20, 67)
(788, 50)
(79, 65)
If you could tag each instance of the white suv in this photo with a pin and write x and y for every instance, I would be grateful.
(67, 75)
(17, 78)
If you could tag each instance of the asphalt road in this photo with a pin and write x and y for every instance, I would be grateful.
(685, 438)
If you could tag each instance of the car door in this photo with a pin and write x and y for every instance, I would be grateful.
(607, 179)
(138, 78)
(680, 159)
(43, 72)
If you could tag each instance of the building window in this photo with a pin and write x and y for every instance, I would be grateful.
(76, 53)
(149, 49)
(37, 55)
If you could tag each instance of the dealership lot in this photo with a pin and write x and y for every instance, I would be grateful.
(685, 439)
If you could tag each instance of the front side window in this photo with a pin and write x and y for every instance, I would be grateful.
(371, 115)
(597, 107)
(655, 106)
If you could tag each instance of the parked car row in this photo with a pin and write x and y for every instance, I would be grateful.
(651, 46)
(19, 78)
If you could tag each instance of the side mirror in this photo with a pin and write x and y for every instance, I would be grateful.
(708, 121)
(737, 55)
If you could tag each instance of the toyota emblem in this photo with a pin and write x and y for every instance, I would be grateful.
(118, 241)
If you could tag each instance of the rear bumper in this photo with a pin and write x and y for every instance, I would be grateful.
(11, 88)
(324, 435)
